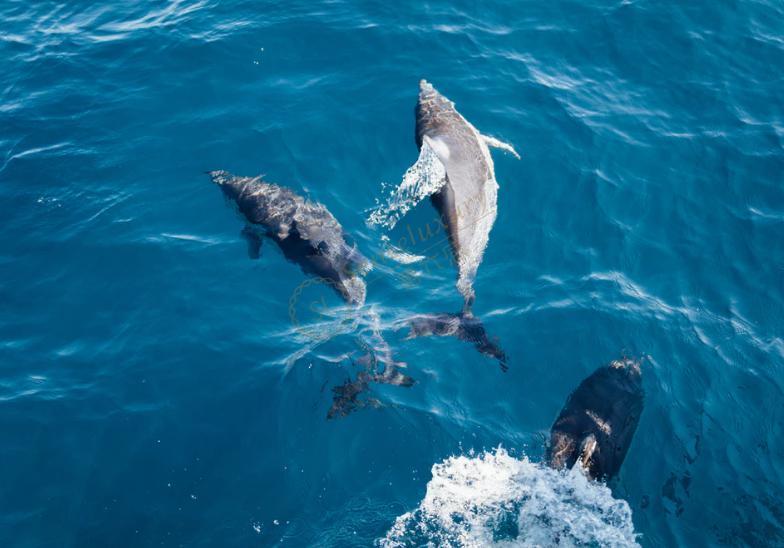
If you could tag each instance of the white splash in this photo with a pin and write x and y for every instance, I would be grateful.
(421, 180)
(495, 499)
(397, 254)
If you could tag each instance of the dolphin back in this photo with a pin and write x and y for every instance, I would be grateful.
(597, 424)
(307, 233)
(467, 203)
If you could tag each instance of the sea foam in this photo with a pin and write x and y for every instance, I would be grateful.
(495, 499)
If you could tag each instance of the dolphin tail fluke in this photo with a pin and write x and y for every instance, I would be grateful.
(465, 326)
(496, 143)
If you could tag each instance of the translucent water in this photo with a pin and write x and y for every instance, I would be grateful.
(159, 387)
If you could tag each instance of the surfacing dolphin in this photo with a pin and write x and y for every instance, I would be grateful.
(306, 232)
(310, 236)
(596, 426)
(467, 194)
(454, 168)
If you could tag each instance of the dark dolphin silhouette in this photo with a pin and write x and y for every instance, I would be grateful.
(597, 424)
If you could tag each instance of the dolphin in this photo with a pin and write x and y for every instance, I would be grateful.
(306, 232)
(310, 236)
(597, 424)
(456, 170)
(466, 195)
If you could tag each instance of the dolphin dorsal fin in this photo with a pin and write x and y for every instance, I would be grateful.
(495, 143)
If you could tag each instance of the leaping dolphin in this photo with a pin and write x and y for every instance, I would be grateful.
(310, 236)
(596, 426)
(456, 170)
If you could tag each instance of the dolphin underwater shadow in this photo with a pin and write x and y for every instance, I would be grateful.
(310, 236)
(455, 169)
(596, 425)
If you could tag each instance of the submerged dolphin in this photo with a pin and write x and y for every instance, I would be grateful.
(310, 236)
(596, 426)
(455, 168)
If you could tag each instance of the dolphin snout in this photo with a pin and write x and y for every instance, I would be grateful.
(632, 367)
(430, 95)
(219, 177)
(426, 89)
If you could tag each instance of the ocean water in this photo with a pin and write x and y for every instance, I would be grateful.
(160, 388)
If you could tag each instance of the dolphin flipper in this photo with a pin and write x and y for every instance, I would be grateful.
(424, 178)
(253, 240)
(495, 143)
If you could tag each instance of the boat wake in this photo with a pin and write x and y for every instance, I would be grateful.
(495, 499)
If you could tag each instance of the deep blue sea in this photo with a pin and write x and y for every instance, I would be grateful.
(160, 388)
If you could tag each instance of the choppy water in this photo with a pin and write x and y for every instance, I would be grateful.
(158, 387)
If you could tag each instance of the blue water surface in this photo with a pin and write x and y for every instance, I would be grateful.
(154, 389)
